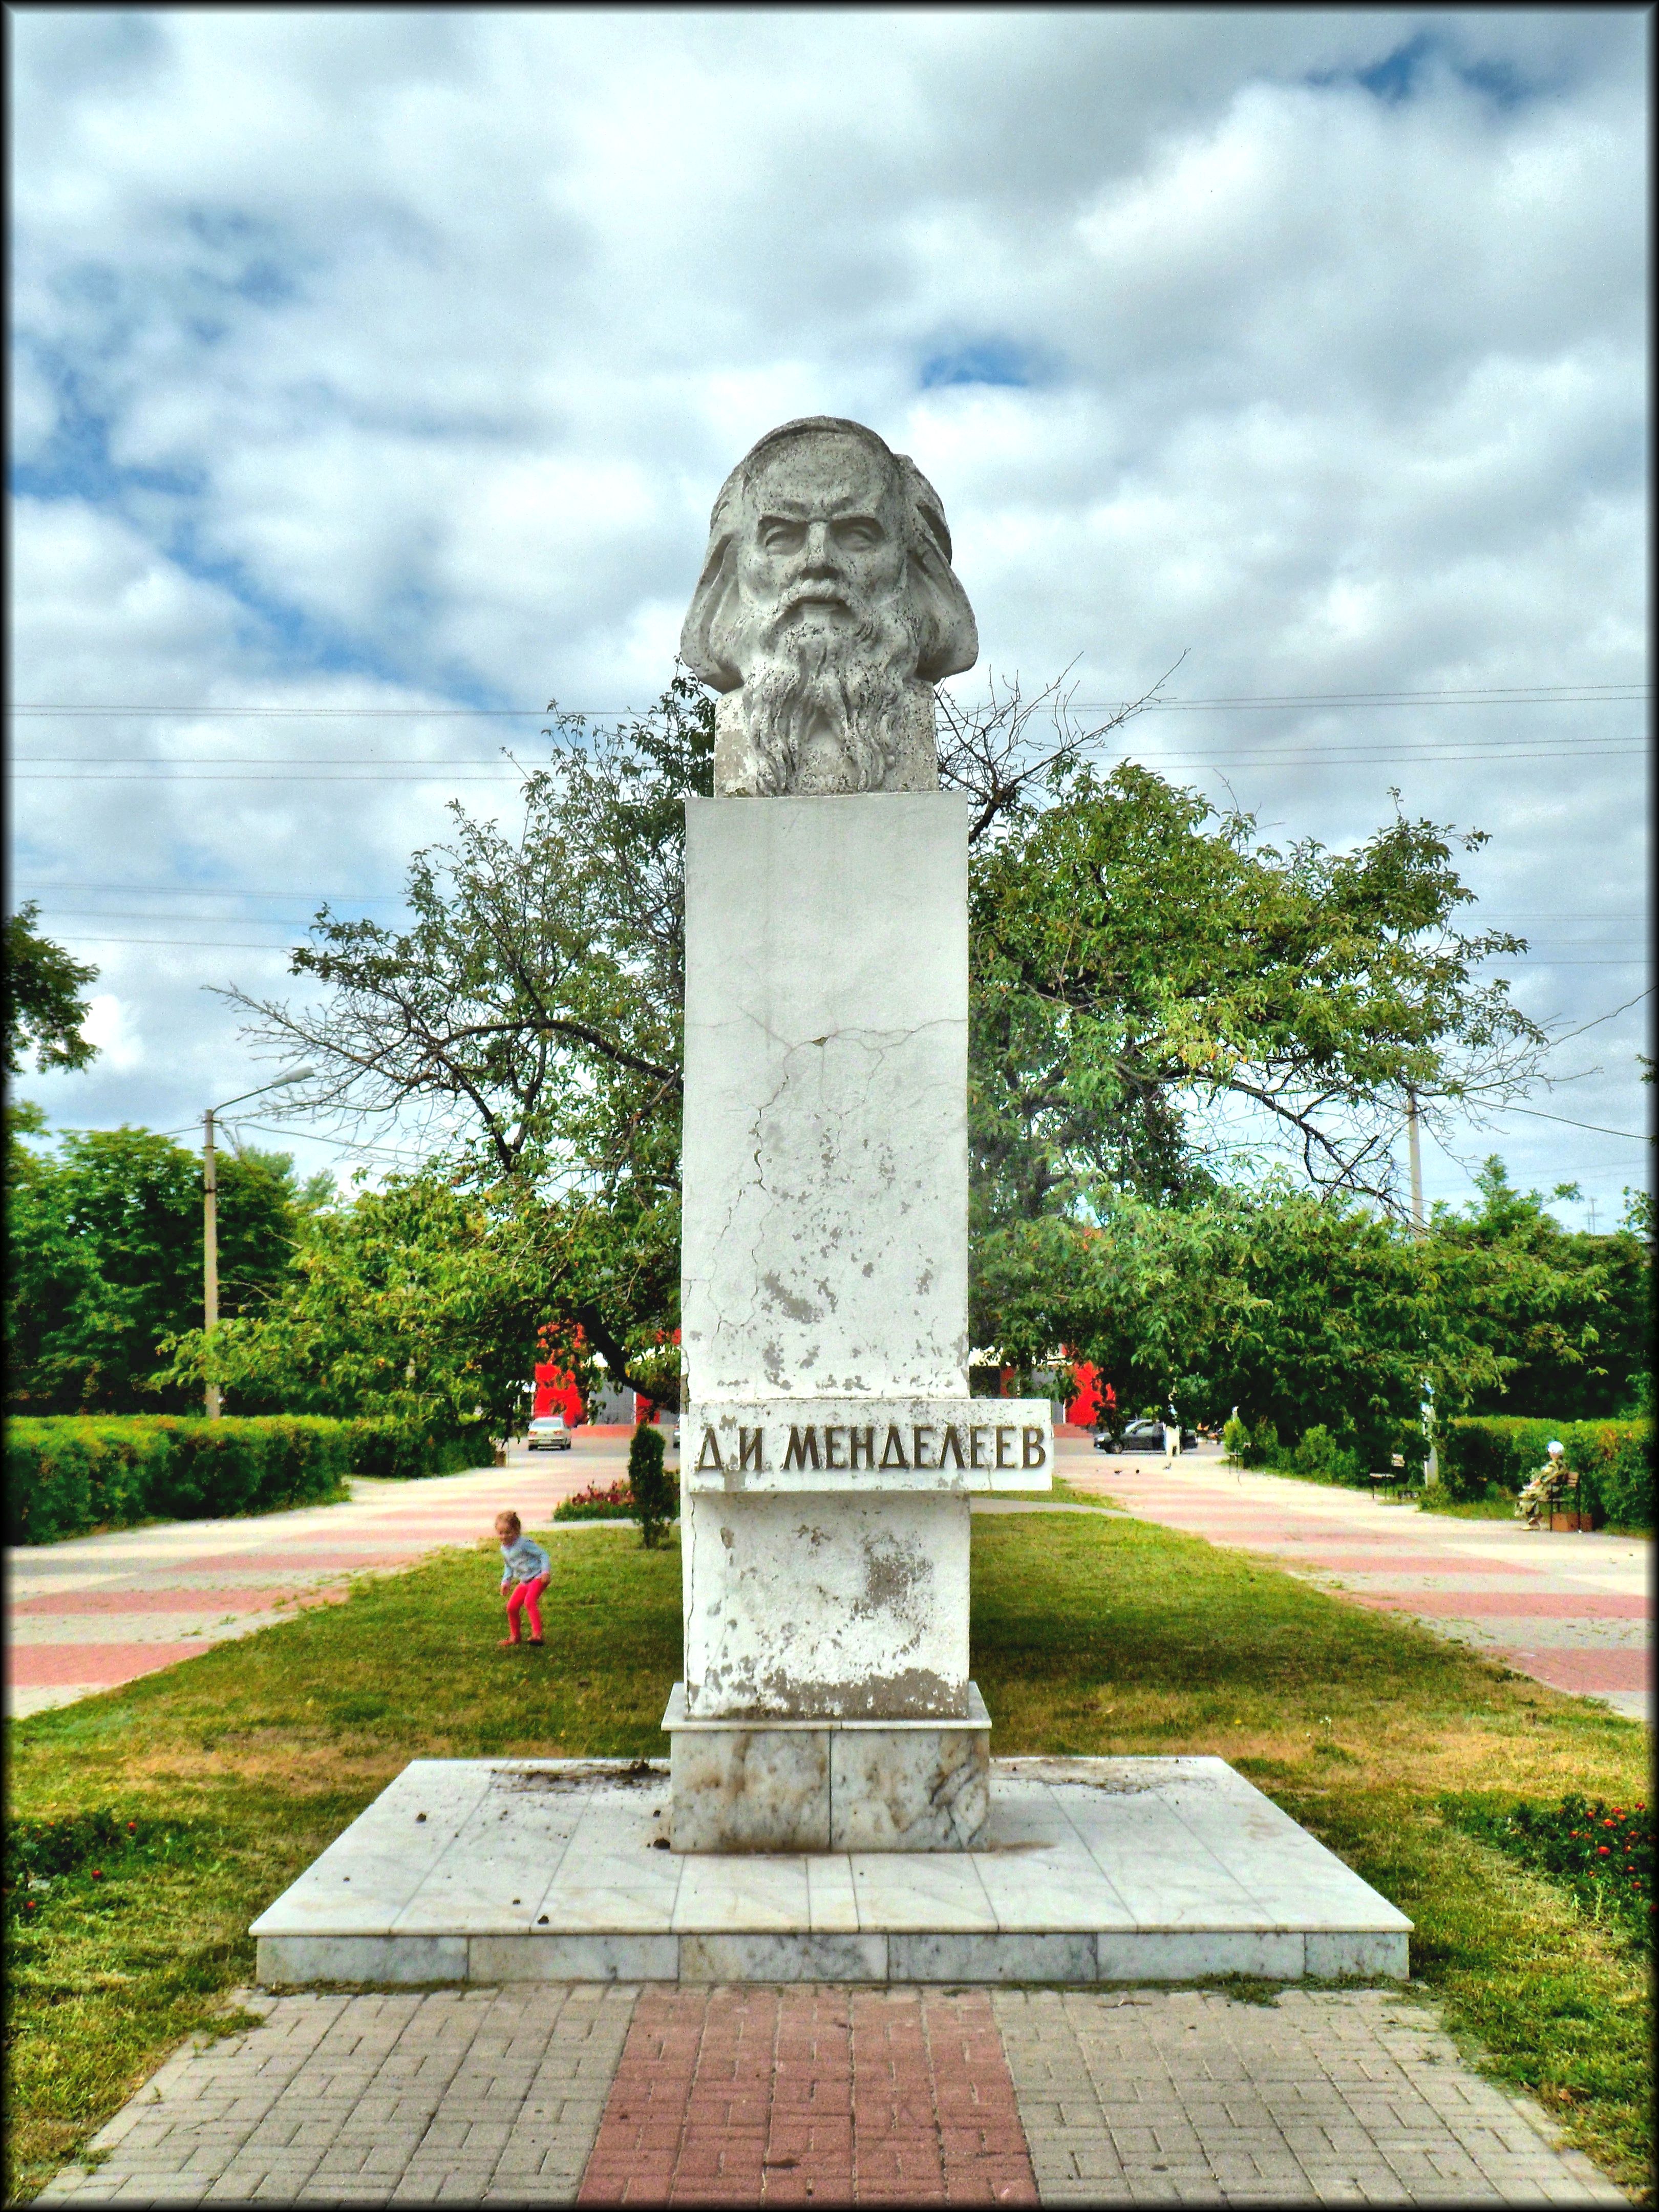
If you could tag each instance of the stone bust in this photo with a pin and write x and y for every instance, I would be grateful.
(826, 611)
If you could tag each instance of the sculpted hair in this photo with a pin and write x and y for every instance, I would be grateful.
(946, 637)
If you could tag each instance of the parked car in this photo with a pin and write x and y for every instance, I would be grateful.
(549, 1433)
(1141, 1436)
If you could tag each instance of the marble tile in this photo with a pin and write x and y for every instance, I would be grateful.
(366, 1876)
(908, 1790)
(1329, 1957)
(744, 1892)
(1295, 1881)
(1056, 1887)
(493, 1876)
(933, 1891)
(832, 1902)
(751, 1789)
(1157, 1866)
(611, 1880)
(284, 1959)
(800, 1958)
(545, 1958)
(1159, 1957)
(1000, 1957)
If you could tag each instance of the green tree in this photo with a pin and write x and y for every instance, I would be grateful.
(1574, 1311)
(425, 1300)
(105, 1250)
(44, 1001)
(1158, 994)
(652, 1490)
(532, 1013)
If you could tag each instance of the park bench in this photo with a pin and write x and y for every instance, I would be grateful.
(1390, 1483)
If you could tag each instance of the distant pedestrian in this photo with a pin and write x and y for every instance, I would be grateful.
(1542, 1495)
(1171, 1436)
(525, 1574)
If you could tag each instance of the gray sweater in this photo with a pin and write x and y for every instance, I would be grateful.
(525, 1559)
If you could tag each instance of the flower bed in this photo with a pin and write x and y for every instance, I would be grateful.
(1602, 1853)
(616, 1503)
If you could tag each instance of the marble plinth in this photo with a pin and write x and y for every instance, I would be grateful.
(1092, 1871)
(835, 1786)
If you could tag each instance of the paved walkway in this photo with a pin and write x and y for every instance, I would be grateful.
(547, 2093)
(1572, 1611)
(94, 1612)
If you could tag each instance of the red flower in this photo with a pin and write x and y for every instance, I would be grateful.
(1601, 1851)
(30, 1907)
(97, 1873)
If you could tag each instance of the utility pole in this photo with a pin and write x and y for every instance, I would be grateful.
(1419, 1225)
(1418, 1222)
(210, 1247)
(210, 1212)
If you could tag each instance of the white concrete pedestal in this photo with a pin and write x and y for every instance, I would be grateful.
(829, 1443)
(829, 1785)
(1091, 1870)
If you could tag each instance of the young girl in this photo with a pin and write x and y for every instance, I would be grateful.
(524, 1575)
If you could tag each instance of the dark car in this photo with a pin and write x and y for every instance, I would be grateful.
(1141, 1436)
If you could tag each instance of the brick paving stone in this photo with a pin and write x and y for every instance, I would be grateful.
(1380, 2108)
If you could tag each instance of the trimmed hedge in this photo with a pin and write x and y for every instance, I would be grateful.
(70, 1473)
(398, 1453)
(1614, 1460)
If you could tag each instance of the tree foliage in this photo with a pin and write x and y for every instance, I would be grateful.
(1157, 992)
(45, 1003)
(104, 1248)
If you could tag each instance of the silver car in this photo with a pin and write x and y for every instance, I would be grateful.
(549, 1433)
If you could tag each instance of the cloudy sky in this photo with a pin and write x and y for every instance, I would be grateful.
(387, 364)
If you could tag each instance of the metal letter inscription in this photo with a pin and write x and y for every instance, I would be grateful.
(830, 1445)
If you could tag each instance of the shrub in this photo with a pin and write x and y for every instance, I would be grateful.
(1327, 1457)
(398, 1451)
(655, 1497)
(66, 1473)
(1614, 1460)
(1235, 1440)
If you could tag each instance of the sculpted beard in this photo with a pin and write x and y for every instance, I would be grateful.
(853, 683)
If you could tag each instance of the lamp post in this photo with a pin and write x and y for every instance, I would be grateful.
(210, 1210)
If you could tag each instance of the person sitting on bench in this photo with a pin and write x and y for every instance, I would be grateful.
(1543, 1492)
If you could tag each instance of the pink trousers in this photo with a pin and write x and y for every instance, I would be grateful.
(526, 1594)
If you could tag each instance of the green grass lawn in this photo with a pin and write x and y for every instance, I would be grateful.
(1092, 1634)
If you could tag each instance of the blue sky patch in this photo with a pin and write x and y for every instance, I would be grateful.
(992, 360)
(1400, 74)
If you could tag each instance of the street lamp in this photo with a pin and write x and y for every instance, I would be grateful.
(210, 1210)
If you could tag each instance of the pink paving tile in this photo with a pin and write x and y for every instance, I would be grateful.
(163, 1601)
(52, 1666)
(1417, 1563)
(738, 2085)
(1540, 1605)
(1588, 1672)
(279, 1554)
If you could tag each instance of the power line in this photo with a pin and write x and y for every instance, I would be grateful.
(1488, 695)
(1600, 1128)
(472, 772)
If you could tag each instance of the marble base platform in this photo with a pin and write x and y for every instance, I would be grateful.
(1092, 1870)
(828, 1785)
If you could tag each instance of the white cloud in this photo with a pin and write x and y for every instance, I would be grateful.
(395, 356)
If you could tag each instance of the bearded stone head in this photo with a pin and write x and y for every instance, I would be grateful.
(826, 612)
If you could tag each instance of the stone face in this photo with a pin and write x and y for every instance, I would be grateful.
(826, 611)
